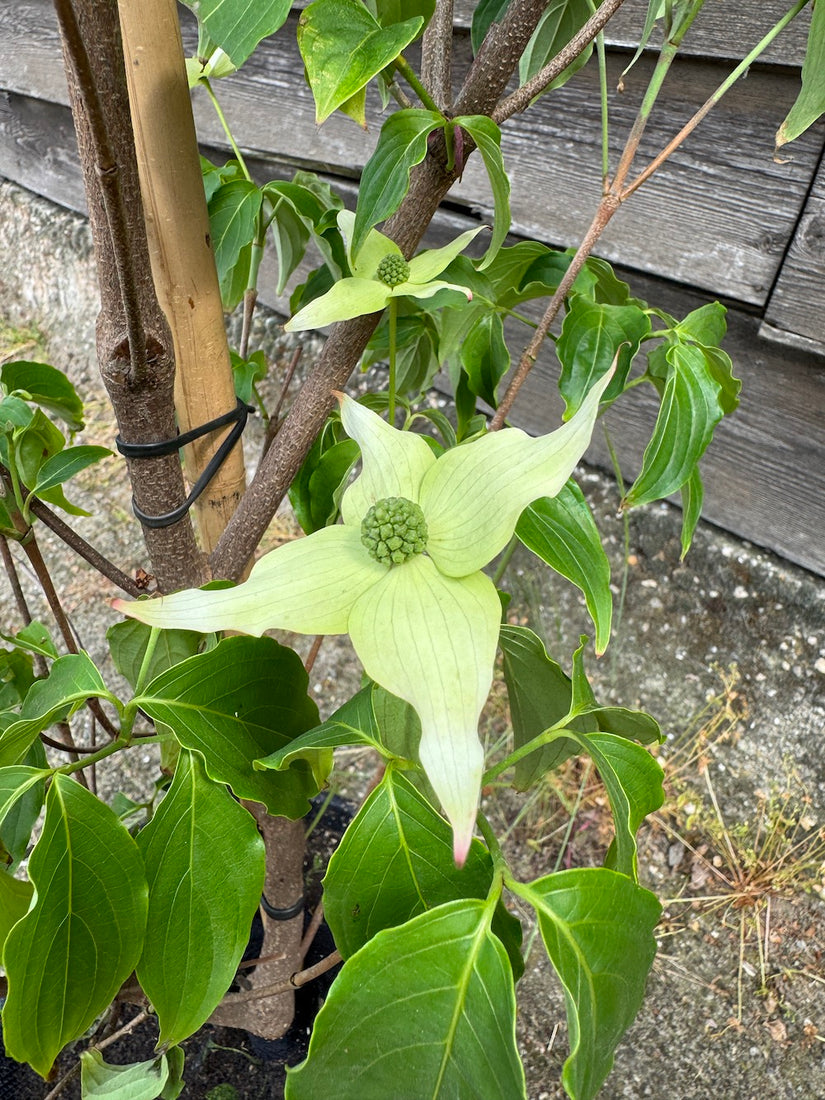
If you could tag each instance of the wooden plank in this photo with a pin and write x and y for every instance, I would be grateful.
(797, 304)
(38, 149)
(741, 206)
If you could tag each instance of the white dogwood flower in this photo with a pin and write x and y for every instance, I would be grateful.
(402, 576)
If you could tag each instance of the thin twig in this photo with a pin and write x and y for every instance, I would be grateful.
(311, 930)
(275, 417)
(312, 656)
(250, 299)
(73, 1072)
(437, 55)
(521, 98)
(14, 581)
(109, 174)
(64, 748)
(292, 983)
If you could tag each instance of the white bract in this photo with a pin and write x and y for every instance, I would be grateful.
(425, 628)
(365, 292)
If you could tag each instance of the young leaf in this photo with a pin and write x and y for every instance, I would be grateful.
(689, 412)
(592, 335)
(289, 229)
(402, 144)
(237, 26)
(73, 679)
(246, 372)
(46, 386)
(66, 464)
(693, 492)
(394, 862)
(487, 136)
(597, 927)
(344, 47)
(34, 638)
(560, 21)
(705, 325)
(810, 103)
(205, 865)
(316, 491)
(433, 998)
(233, 214)
(239, 701)
(138, 1081)
(562, 532)
(485, 357)
(16, 677)
(67, 958)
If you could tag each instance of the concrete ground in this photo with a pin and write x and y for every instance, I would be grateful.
(726, 649)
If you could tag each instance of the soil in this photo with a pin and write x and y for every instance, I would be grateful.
(736, 999)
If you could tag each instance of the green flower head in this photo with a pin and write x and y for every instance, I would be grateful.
(402, 576)
(380, 273)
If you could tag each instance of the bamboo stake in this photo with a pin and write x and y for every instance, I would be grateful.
(182, 262)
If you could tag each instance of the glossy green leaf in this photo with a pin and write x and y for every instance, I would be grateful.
(591, 337)
(597, 926)
(636, 725)
(67, 958)
(316, 492)
(289, 230)
(73, 679)
(689, 412)
(241, 700)
(705, 325)
(388, 12)
(394, 862)
(385, 179)
(344, 47)
(485, 13)
(33, 638)
(560, 20)
(127, 644)
(35, 444)
(46, 386)
(540, 694)
(426, 1010)
(655, 10)
(22, 790)
(487, 136)
(562, 532)
(138, 1081)
(693, 493)
(810, 103)
(15, 898)
(607, 288)
(233, 214)
(485, 357)
(205, 865)
(721, 369)
(66, 464)
(16, 677)
(246, 373)
(237, 26)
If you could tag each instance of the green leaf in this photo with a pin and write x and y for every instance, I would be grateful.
(655, 10)
(15, 897)
(485, 357)
(487, 136)
(35, 444)
(34, 638)
(205, 865)
(540, 694)
(246, 373)
(344, 47)
(692, 496)
(65, 465)
(21, 802)
(485, 14)
(237, 26)
(67, 958)
(241, 700)
(591, 336)
(561, 20)
(127, 644)
(402, 144)
(393, 11)
(46, 386)
(73, 679)
(810, 103)
(16, 676)
(597, 927)
(138, 1081)
(705, 325)
(315, 493)
(562, 532)
(289, 227)
(394, 862)
(432, 1000)
(689, 412)
(233, 220)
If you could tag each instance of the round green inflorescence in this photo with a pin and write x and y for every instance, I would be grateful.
(394, 530)
(393, 270)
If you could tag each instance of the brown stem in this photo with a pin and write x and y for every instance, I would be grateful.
(250, 299)
(437, 55)
(14, 581)
(607, 208)
(312, 929)
(295, 981)
(497, 57)
(521, 98)
(312, 656)
(74, 749)
(84, 549)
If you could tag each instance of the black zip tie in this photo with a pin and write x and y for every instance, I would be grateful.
(163, 447)
(289, 913)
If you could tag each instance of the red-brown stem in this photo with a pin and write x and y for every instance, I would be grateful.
(315, 649)
(312, 929)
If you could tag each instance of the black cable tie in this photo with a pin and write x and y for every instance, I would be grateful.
(164, 447)
(289, 913)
